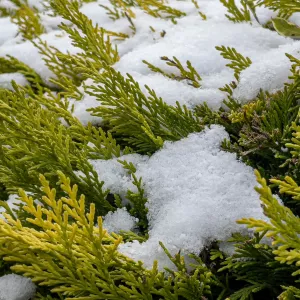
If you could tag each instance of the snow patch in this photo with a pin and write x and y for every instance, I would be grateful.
(15, 287)
(195, 193)
(119, 220)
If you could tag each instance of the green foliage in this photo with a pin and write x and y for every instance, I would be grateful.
(79, 260)
(283, 228)
(61, 244)
(10, 64)
(91, 39)
(254, 264)
(159, 9)
(137, 200)
(113, 13)
(286, 28)
(28, 22)
(267, 130)
(235, 14)
(155, 8)
(66, 78)
(190, 75)
(285, 8)
(261, 131)
(33, 140)
(238, 61)
(139, 121)
(201, 14)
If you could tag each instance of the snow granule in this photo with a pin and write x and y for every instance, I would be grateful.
(115, 177)
(15, 287)
(195, 192)
(6, 80)
(119, 220)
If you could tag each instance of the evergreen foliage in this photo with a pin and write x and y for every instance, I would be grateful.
(190, 75)
(286, 28)
(79, 260)
(56, 236)
(238, 61)
(10, 64)
(283, 227)
(139, 121)
(285, 8)
(235, 14)
(28, 22)
(34, 141)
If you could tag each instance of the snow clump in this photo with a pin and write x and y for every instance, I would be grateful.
(195, 192)
(16, 287)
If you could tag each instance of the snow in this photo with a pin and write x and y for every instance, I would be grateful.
(15, 287)
(9, 32)
(115, 177)
(195, 193)
(12, 201)
(119, 220)
(274, 68)
(6, 79)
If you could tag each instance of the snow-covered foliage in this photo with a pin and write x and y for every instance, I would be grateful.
(134, 133)
(192, 39)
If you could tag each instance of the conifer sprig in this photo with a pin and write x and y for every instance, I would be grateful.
(34, 141)
(285, 8)
(10, 64)
(28, 21)
(238, 61)
(190, 75)
(69, 251)
(91, 39)
(235, 14)
(143, 122)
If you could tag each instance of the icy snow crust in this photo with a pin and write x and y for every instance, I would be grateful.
(195, 192)
(191, 39)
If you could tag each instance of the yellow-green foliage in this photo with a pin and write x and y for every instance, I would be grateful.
(60, 243)
(202, 15)
(10, 64)
(155, 8)
(92, 39)
(246, 112)
(190, 75)
(159, 9)
(235, 14)
(294, 143)
(238, 61)
(143, 122)
(28, 21)
(285, 8)
(286, 28)
(74, 256)
(62, 65)
(33, 140)
(283, 227)
(98, 50)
